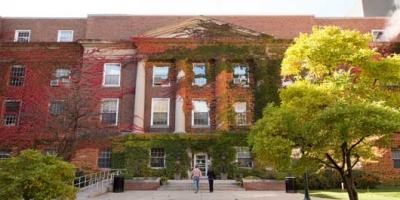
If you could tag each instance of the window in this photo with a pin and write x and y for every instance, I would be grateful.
(243, 157)
(104, 160)
(241, 114)
(396, 158)
(56, 107)
(65, 36)
(12, 109)
(109, 111)
(22, 36)
(160, 112)
(4, 155)
(112, 75)
(157, 158)
(160, 76)
(200, 115)
(377, 35)
(199, 70)
(51, 152)
(241, 75)
(17, 75)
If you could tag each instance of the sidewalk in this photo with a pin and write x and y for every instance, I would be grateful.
(202, 195)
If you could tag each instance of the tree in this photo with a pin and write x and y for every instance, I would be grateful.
(339, 108)
(32, 175)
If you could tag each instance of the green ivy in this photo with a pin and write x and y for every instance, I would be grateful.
(132, 152)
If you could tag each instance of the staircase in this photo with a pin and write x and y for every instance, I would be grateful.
(188, 185)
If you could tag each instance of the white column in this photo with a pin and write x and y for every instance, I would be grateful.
(179, 115)
(140, 88)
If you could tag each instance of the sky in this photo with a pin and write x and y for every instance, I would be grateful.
(80, 8)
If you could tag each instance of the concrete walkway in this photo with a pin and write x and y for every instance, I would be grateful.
(202, 195)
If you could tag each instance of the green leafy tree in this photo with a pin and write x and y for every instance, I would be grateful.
(339, 108)
(32, 175)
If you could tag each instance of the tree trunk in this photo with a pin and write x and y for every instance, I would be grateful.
(350, 187)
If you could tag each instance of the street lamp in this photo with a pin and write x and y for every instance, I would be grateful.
(306, 190)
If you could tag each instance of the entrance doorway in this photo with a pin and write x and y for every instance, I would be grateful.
(200, 160)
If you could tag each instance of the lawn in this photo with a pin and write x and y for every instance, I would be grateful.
(372, 194)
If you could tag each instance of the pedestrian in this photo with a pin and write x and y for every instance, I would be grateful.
(211, 177)
(196, 174)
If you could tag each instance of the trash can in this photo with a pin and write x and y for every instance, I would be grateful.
(290, 183)
(118, 185)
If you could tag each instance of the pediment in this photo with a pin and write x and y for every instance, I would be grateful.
(201, 27)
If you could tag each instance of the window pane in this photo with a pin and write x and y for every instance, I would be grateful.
(244, 157)
(104, 160)
(240, 74)
(396, 154)
(22, 36)
(63, 73)
(200, 118)
(4, 155)
(157, 157)
(12, 106)
(112, 74)
(56, 107)
(65, 36)
(10, 120)
(199, 69)
(17, 75)
(109, 111)
(160, 75)
(200, 106)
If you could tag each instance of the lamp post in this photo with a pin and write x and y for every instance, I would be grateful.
(306, 191)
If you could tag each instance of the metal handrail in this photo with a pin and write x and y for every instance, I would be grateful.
(96, 180)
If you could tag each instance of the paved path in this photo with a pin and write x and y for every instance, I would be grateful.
(202, 195)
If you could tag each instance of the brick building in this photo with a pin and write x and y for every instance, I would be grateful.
(107, 74)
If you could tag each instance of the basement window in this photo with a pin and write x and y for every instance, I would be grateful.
(241, 113)
(160, 76)
(112, 75)
(160, 112)
(200, 114)
(157, 158)
(65, 36)
(199, 70)
(396, 158)
(4, 155)
(11, 115)
(377, 35)
(17, 75)
(241, 74)
(104, 160)
(22, 36)
(109, 111)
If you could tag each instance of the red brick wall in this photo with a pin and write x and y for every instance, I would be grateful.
(141, 185)
(384, 166)
(264, 185)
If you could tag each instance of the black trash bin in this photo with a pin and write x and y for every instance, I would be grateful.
(290, 183)
(118, 185)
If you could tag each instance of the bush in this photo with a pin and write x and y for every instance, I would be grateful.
(32, 175)
(365, 180)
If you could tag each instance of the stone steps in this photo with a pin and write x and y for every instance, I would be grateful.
(188, 185)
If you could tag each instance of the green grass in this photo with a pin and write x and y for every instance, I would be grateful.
(372, 194)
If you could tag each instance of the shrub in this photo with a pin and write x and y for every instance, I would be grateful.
(365, 180)
(32, 175)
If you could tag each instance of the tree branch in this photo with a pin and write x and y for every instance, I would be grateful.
(333, 162)
(357, 143)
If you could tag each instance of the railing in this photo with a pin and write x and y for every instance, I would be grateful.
(97, 180)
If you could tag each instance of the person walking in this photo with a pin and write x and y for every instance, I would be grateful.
(211, 177)
(196, 174)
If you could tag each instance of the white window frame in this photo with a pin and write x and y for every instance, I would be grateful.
(104, 75)
(5, 112)
(59, 35)
(237, 148)
(51, 102)
(101, 110)
(5, 154)
(169, 82)
(165, 156)
(18, 31)
(100, 157)
(152, 109)
(245, 113)
(376, 39)
(244, 65)
(200, 126)
(205, 74)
